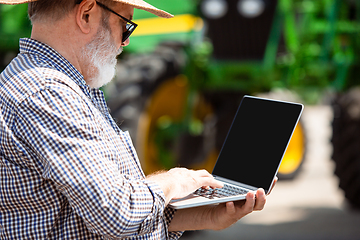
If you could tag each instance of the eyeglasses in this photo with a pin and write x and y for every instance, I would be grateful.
(130, 25)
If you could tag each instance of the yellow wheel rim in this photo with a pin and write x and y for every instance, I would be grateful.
(295, 152)
(167, 103)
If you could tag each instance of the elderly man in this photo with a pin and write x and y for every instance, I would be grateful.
(67, 170)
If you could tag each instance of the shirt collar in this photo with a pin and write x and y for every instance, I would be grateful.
(53, 58)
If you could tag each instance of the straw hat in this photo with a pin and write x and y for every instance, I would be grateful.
(140, 4)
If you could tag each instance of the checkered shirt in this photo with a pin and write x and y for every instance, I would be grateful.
(67, 170)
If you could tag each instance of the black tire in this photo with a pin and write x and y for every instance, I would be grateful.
(137, 75)
(346, 143)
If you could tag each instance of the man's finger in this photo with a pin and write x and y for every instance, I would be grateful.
(203, 173)
(211, 182)
(260, 200)
(249, 204)
(208, 180)
(230, 208)
(275, 181)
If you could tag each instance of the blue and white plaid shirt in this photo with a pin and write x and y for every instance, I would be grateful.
(67, 171)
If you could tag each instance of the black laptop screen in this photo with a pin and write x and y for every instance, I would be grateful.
(257, 140)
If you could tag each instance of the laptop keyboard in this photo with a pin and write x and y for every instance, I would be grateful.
(225, 191)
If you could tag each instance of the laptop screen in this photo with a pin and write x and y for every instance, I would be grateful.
(257, 140)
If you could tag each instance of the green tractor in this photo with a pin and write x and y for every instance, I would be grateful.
(179, 82)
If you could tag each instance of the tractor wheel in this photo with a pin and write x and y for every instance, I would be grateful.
(296, 151)
(149, 98)
(346, 144)
(136, 78)
(295, 154)
(164, 141)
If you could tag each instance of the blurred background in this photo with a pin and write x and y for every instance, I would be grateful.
(179, 83)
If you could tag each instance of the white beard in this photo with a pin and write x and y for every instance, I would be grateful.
(100, 54)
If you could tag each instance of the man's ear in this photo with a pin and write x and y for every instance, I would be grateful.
(86, 13)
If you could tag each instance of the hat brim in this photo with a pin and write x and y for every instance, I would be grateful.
(139, 4)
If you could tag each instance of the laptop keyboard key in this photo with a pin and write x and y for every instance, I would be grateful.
(226, 191)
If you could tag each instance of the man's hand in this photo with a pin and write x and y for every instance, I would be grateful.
(220, 216)
(180, 182)
(224, 215)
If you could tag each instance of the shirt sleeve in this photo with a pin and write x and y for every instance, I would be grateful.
(169, 215)
(72, 148)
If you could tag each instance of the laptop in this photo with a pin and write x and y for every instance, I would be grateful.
(252, 152)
